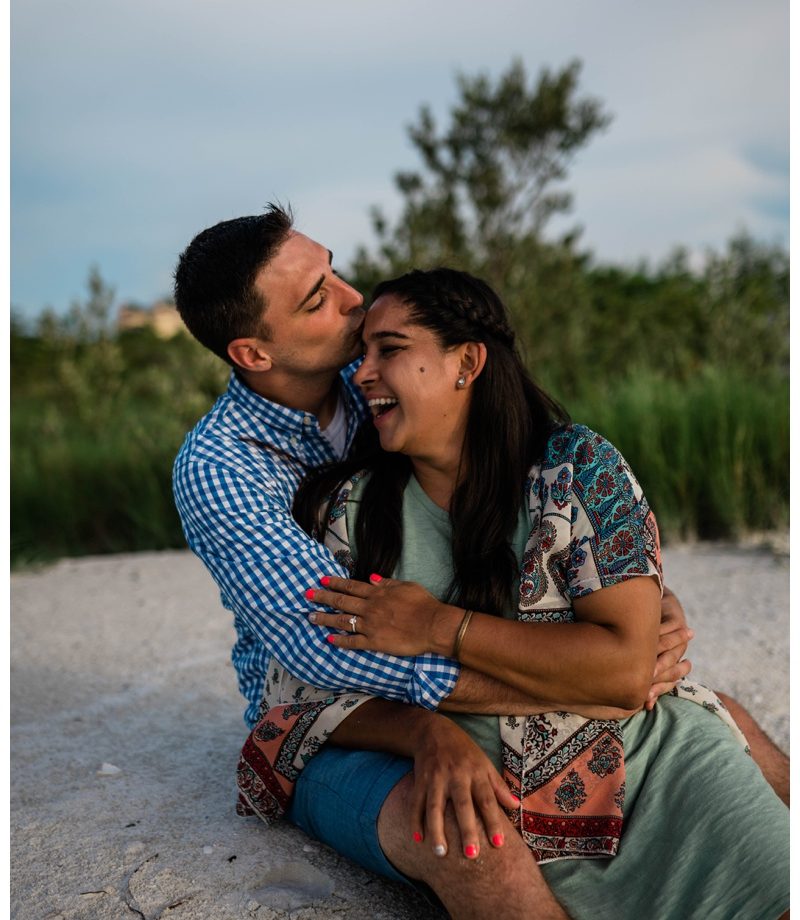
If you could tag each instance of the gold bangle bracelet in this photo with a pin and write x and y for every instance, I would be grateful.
(462, 631)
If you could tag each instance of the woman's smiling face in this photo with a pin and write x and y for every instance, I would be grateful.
(410, 382)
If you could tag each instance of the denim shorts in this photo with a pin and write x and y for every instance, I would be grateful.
(337, 800)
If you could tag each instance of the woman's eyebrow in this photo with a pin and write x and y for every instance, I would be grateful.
(388, 334)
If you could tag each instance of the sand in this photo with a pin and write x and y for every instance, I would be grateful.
(124, 661)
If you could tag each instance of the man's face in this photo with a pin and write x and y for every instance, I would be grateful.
(315, 317)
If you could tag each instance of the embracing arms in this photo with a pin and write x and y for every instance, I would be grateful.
(478, 693)
(242, 528)
(607, 657)
(448, 766)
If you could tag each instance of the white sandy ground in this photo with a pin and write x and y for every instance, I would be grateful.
(125, 660)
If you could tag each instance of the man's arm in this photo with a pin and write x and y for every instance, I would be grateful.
(475, 692)
(263, 562)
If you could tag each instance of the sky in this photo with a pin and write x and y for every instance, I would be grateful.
(136, 125)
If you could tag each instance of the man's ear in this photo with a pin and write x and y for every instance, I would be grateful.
(250, 355)
(473, 360)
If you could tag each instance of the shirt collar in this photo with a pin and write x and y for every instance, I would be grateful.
(354, 399)
(277, 416)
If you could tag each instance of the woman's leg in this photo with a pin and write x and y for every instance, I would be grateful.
(704, 835)
(502, 882)
(772, 762)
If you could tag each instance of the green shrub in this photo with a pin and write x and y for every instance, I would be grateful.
(711, 455)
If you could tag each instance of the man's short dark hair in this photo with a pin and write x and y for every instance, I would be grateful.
(215, 275)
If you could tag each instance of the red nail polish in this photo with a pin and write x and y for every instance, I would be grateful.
(375, 577)
(330, 638)
(325, 581)
(498, 840)
(310, 594)
(417, 837)
(515, 798)
(471, 851)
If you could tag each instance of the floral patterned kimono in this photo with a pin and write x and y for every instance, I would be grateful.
(590, 527)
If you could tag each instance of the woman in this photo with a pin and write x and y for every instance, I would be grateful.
(541, 562)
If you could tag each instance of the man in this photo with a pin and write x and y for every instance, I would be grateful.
(267, 300)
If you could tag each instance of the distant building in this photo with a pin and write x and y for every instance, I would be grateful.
(162, 318)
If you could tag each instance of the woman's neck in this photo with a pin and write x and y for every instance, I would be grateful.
(438, 481)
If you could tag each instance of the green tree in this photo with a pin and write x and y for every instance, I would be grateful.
(86, 375)
(746, 307)
(490, 183)
(733, 314)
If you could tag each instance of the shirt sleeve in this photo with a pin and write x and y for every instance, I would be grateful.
(614, 532)
(263, 563)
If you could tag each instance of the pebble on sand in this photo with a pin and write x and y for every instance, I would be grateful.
(108, 769)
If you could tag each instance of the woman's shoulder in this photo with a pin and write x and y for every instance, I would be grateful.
(613, 532)
(579, 463)
(349, 491)
(578, 446)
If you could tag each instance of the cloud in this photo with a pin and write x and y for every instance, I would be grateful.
(134, 125)
(687, 196)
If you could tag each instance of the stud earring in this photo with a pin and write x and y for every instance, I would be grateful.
(461, 382)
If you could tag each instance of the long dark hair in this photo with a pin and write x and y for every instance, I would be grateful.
(510, 420)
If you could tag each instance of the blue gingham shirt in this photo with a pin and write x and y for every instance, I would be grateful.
(235, 498)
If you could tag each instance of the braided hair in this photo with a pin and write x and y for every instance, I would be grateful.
(510, 420)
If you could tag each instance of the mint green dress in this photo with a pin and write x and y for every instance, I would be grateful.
(704, 836)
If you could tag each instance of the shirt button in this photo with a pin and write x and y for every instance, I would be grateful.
(307, 420)
(293, 441)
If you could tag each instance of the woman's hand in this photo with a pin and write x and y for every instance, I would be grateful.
(449, 766)
(396, 617)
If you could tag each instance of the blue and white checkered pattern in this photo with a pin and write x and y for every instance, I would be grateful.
(234, 498)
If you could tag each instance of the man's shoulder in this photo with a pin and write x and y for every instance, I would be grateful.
(212, 436)
(229, 444)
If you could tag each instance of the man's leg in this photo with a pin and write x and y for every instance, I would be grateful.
(774, 764)
(502, 882)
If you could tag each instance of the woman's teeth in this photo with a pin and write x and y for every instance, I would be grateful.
(381, 405)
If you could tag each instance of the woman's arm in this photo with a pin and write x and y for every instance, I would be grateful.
(607, 657)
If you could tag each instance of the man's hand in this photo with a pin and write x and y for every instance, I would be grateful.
(673, 641)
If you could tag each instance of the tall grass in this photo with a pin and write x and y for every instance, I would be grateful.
(712, 456)
(79, 492)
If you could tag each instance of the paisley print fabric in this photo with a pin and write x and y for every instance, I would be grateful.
(591, 527)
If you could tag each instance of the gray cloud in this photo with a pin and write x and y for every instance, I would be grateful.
(135, 125)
